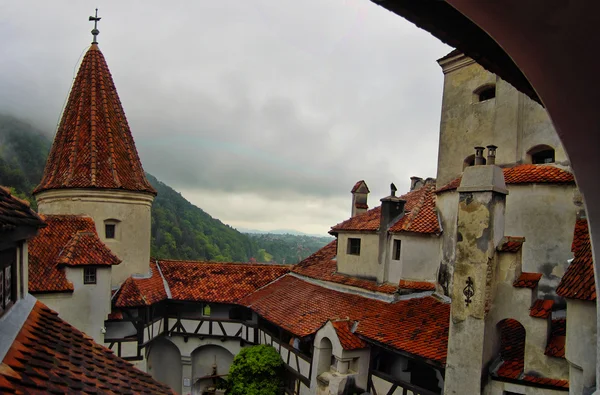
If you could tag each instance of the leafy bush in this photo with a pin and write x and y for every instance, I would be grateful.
(256, 370)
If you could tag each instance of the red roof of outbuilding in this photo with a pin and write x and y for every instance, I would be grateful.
(578, 281)
(51, 356)
(67, 240)
(93, 147)
(322, 266)
(420, 217)
(525, 174)
(348, 339)
(141, 291)
(418, 326)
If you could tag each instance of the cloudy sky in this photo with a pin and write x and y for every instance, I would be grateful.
(263, 113)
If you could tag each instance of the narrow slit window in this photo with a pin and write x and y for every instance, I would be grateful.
(354, 246)
(109, 231)
(89, 275)
(8, 286)
(206, 310)
(397, 249)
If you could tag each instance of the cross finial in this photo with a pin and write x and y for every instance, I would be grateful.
(95, 30)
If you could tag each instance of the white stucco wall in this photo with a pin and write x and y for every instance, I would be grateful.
(545, 215)
(87, 306)
(581, 344)
(364, 265)
(419, 257)
(164, 363)
(130, 209)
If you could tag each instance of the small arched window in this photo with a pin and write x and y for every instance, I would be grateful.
(485, 92)
(541, 154)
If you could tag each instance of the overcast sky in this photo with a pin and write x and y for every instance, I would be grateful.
(264, 113)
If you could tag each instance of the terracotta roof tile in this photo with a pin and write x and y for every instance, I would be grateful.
(418, 326)
(198, 281)
(417, 285)
(50, 356)
(93, 147)
(541, 308)
(348, 339)
(358, 185)
(556, 383)
(511, 244)
(16, 212)
(527, 280)
(141, 291)
(525, 174)
(67, 240)
(420, 217)
(322, 266)
(558, 336)
(578, 281)
(581, 235)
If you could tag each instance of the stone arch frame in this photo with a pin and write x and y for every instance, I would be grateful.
(536, 149)
(484, 93)
(326, 356)
(167, 368)
(203, 366)
(511, 337)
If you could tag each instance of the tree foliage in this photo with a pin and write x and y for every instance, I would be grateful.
(256, 370)
(286, 248)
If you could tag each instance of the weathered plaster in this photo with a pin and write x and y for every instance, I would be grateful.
(364, 265)
(581, 344)
(130, 209)
(419, 257)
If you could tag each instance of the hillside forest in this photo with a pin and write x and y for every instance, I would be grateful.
(180, 230)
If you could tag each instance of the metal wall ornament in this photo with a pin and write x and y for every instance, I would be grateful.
(469, 291)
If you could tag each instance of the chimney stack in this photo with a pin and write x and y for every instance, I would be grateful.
(416, 183)
(491, 158)
(391, 208)
(360, 193)
(479, 159)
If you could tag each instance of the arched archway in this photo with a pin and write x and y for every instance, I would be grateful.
(326, 358)
(511, 348)
(540, 154)
(164, 363)
(209, 363)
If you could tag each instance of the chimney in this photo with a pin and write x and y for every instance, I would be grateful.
(416, 183)
(391, 208)
(360, 193)
(491, 158)
(479, 160)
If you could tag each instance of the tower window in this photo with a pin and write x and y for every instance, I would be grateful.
(397, 249)
(354, 246)
(109, 231)
(541, 154)
(89, 275)
(485, 92)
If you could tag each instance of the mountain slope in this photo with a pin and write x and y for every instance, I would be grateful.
(287, 248)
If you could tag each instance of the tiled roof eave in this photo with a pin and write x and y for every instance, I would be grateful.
(429, 361)
(528, 383)
(150, 192)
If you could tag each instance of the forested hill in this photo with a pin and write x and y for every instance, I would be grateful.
(287, 248)
(180, 230)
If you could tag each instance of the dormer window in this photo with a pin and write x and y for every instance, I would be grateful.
(8, 269)
(353, 246)
(89, 275)
(541, 154)
(484, 93)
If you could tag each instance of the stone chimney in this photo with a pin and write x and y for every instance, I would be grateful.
(416, 183)
(479, 159)
(480, 229)
(392, 208)
(491, 158)
(360, 193)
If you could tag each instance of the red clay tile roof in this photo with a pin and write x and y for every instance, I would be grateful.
(556, 383)
(581, 234)
(527, 280)
(511, 244)
(418, 326)
(358, 184)
(321, 266)
(93, 147)
(558, 335)
(52, 247)
(15, 212)
(512, 349)
(525, 174)
(141, 291)
(541, 308)
(417, 285)
(361, 205)
(86, 248)
(348, 339)
(420, 217)
(50, 356)
(197, 281)
(578, 281)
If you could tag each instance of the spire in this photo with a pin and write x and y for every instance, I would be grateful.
(93, 146)
(95, 30)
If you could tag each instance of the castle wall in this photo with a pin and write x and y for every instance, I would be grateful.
(581, 355)
(87, 306)
(130, 212)
(419, 258)
(364, 265)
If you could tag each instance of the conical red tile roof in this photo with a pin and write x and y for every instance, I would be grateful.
(93, 147)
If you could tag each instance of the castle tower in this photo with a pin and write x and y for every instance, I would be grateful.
(94, 169)
(480, 228)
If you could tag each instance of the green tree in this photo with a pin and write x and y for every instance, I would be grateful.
(256, 370)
